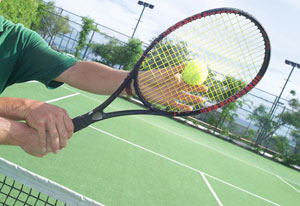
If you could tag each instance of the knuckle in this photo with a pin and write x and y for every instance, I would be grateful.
(41, 123)
(64, 111)
(55, 115)
(50, 117)
(64, 136)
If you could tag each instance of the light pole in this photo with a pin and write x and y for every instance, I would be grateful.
(293, 64)
(144, 4)
(277, 99)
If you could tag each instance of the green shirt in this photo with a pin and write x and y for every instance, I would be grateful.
(24, 56)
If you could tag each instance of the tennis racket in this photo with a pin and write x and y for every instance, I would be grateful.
(230, 43)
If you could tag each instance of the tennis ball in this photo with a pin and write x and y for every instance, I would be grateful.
(195, 72)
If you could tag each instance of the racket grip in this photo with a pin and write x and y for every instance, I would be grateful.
(79, 123)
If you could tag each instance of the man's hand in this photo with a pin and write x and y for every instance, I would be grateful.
(30, 141)
(49, 120)
(20, 134)
(165, 86)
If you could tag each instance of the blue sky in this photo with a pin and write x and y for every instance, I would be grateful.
(280, 18)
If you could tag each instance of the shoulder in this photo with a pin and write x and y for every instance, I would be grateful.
(19, 33)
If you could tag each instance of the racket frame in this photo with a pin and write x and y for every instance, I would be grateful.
(98, 113)
(239, 94)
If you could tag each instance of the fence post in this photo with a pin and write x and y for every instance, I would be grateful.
(87, 46)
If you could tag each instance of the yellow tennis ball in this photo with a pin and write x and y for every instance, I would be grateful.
(195, 72)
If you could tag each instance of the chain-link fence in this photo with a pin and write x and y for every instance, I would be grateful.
(67, 42)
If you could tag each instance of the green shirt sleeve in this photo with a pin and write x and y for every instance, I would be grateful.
(25, 56)
(39, 62)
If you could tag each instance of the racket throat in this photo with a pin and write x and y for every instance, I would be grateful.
(97, 115)
(85, 120)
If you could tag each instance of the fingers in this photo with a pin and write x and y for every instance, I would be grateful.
(60, 132)
(42, 140)
(168, 73)
(180, 106)
(196, 88)
(53, 124)
(65, 130)
(48, 141)
(160, 76)
(68, 124)
(178, 100)
(166, 87)
(187, 87)
(178, 68)
(30, 139)
(189, 98)
(54, 136)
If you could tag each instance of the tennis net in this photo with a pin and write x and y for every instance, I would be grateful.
(19, 186)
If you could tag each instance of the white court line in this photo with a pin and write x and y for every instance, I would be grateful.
(211, 148)
(238, 188)
(86, 96)
(211, 189)
(60, 98)
(288, 184)
(192, 140)
(181, 164)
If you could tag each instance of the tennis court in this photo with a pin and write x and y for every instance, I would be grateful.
(151, 160)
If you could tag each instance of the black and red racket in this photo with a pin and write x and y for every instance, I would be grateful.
(232, 45)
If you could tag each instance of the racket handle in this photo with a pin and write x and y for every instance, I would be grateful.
(79, 123)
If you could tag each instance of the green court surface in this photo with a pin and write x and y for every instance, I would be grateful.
(152, 160)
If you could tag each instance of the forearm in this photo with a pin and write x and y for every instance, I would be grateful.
(93, 77)
(20, 134)
(9, 130)
(14, 108)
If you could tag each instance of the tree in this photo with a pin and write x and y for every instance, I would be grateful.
(262, 120)
(222, 88)
(109, 53)
(117, 53)
(296, 140)
(19, 11)
(165, 54)
(281, 145)
(51, 23)
(295, 122)
(87, 27)
(228, 114)
(132, 51)
(36, 15)
(270, 125)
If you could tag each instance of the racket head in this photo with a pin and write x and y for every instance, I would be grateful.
(232, 45)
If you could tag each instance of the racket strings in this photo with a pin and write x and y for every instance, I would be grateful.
(254, 47)
(220, 50)
(231, 46)
(248, 50)
(235, 37)
(156, 91)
